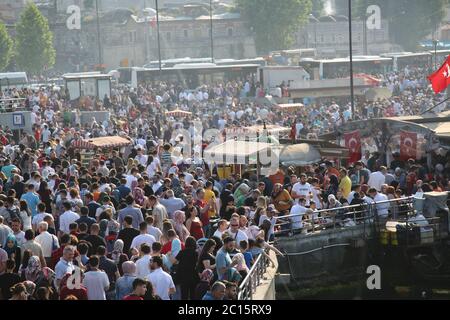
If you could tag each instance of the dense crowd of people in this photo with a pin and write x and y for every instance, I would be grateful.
(144, 222)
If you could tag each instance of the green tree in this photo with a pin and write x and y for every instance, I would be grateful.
(409, 20)
(34, 41)
(6, 47)
(274, 22)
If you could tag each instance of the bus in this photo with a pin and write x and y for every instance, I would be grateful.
(229, 62)
(13, 79)
(190, 75)
(170, 63)
(402, 59)
(320, 69)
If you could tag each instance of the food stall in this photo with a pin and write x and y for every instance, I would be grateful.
(90, 146)
(232, 155)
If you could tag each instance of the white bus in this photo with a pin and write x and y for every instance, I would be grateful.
(340, 67)
(13, 79)
(413, 59)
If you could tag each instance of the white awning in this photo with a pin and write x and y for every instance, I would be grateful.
(235, 152)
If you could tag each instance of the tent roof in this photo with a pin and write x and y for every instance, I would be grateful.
(299, 155)
(235, 152)
(102, 142)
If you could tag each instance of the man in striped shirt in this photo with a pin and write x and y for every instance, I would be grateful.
(166, 158)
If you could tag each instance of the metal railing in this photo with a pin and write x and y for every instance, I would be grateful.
(253, 279)
(343, 217)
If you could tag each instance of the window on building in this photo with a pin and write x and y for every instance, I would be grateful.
(230, 32)
(321, 38)
(185, 33)
(168, 35)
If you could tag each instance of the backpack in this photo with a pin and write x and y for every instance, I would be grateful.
(15, 214)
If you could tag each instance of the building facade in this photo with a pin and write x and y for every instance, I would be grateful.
(129, 40)
(330, 36)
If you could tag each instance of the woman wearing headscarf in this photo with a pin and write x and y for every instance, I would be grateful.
(241, 266)
(179, 217)
(117, 251)
(13, 250)
(332, 204)
(42, 277)
(139, 196)
(240, 194)
(124, 285)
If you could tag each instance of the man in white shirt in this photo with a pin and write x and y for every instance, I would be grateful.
(143, 237)
(355, 189)
(301, 190)
(132, 177)
(46, 134)
(377, 179)
(143, 263)
(48, 242)
(235, 233)
(162, 281)
(151, 230)
(382, 208)
(39, 217)
(95, 281)
(67, 218)
(296, 213)
(141, 157)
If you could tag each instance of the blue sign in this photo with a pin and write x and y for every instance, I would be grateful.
(18, 120)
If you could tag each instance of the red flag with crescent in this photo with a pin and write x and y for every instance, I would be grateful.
(408, 145)
(353, 143)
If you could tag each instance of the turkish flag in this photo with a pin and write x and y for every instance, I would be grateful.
(440, 79)
(408, 145)
(353, 143)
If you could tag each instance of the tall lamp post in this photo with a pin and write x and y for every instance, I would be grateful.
(352, 94)
(435, 43)
(158, 35)
(211, 34)
(100, 58)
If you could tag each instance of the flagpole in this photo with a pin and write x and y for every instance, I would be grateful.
(437, 105)
(352, 94)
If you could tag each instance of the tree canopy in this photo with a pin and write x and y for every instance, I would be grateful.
(6, 47)
(34, 41)
(274, 22)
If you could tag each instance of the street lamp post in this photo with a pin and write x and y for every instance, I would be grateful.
(100, 58)
(435, 42)
(158, 35)
(351, 57)
(211, 34)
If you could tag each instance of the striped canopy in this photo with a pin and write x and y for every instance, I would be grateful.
(102, 142)
(178, 113)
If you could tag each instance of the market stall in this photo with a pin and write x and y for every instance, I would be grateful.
(90, 146)
(231, 155)
(178, 113)
(291, 107)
